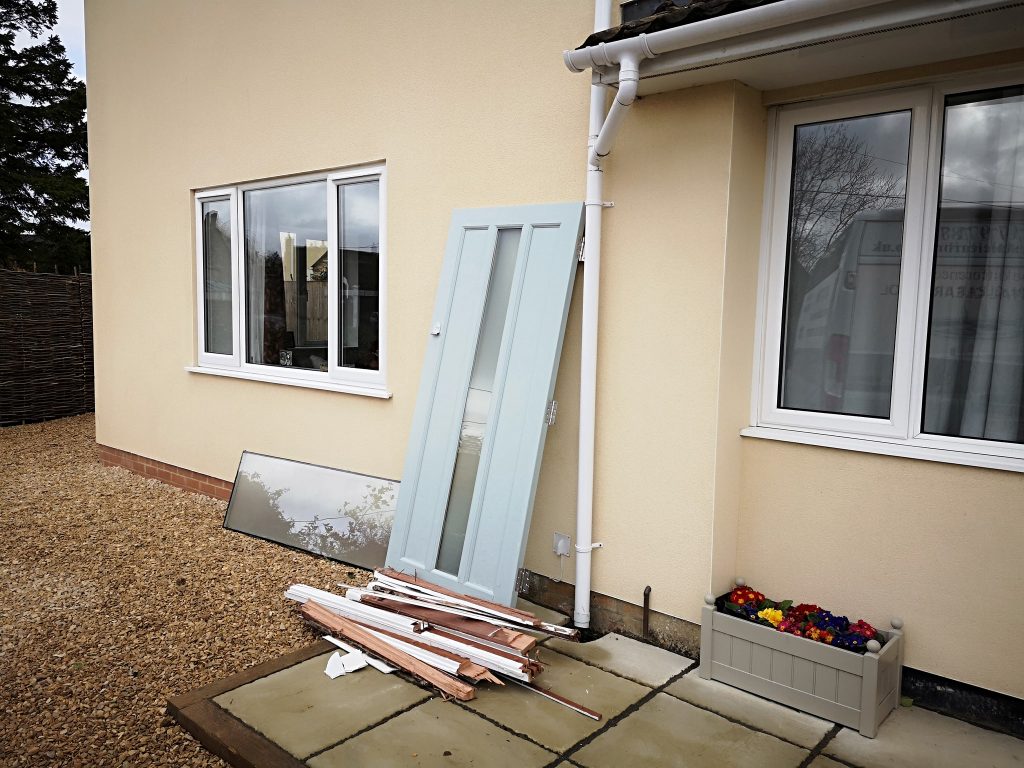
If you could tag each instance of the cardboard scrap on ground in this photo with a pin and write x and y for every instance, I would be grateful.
(447, 640)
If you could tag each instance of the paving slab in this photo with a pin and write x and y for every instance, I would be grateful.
(640, 662)
(544, 614)
(916, 738)
(437, 734)
(670, 733)
(825, 762)
(549, 723)
(786, 723)
(303, 710)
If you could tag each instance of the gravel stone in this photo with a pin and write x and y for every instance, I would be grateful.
(119, 592)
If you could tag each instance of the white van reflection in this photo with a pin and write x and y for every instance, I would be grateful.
(839, 355)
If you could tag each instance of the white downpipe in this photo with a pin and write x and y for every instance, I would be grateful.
(588, 354)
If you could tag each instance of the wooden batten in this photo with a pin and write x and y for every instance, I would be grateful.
(340, 625)
(522, 617)
(518, 641)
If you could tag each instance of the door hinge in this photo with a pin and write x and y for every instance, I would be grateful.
(551, 413)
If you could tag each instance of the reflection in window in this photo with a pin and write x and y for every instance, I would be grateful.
(359, 250)
(974, 382)
(217, 276)
(286, 276)
(844, 249)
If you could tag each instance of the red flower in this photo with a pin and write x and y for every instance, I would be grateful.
(744, 595)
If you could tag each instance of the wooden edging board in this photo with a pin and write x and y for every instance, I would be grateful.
(225, 736)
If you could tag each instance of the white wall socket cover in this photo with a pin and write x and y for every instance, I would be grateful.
(561, 545)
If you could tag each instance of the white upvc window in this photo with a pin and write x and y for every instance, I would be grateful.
(291, 277)
(891, 306)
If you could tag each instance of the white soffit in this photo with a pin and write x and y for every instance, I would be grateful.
(813, 52)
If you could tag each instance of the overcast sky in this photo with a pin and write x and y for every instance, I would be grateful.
(71, 31)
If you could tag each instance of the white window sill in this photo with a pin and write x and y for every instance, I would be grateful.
(883, 446)
(329, 386)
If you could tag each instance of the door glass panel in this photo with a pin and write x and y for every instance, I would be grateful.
(217, 276)
(478, 402)
(845, 241)
(974, 381)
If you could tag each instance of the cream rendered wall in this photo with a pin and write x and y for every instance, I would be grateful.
(667, 479)
(938, 545)
(184, 95)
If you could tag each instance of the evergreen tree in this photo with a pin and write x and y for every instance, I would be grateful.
(42, 145)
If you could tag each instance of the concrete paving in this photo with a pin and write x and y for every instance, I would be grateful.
(549, 723)
(668, 732)
(544, 614)
(438, 734)
(303, 710)
(640, 662)
(751, 710)
(367, 718)
(917, 738)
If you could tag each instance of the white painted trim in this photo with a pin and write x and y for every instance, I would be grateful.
(337, 378)
(910, 449)
(324, 384)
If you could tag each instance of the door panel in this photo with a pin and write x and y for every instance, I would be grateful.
(523, 381)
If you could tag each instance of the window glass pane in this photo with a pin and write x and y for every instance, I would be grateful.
(845, 241)
(359, 246)
(478, 401)
(974, 381)
(217, 276)
(286, 275)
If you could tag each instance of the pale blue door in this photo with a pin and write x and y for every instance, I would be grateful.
(474, 454)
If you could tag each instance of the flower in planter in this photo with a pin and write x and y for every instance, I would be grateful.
(851, 642)
(816, 633)
(862, 628)
(772, 615)
(745, 595)
(799, 613)
(791, 627)
(825, 620)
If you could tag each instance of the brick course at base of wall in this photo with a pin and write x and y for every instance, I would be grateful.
(165, 473)
(609, 614)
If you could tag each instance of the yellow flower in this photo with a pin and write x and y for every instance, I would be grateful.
(772, 615)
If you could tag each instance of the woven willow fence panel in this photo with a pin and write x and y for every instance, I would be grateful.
(46, 363)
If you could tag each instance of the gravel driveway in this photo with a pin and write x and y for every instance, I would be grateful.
(117, 592)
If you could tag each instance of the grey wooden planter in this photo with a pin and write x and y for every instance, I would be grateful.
(856, 690)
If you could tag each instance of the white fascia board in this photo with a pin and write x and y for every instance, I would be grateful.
(757, 32)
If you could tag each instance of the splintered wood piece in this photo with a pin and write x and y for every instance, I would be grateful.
(523, 616)
(520, 641)
(340, 625)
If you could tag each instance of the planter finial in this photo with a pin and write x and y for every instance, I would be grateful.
(740, 581)
(873, 646)
(709, 599)
(896, 622)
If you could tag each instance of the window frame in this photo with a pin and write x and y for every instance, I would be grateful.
(209, 358)
(336, 378)
(901, 434)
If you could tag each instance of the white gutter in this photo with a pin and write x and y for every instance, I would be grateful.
(809, 20)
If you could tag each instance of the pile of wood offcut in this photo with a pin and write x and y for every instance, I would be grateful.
(448, 640)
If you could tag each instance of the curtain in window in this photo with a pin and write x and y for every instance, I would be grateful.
(975, 376)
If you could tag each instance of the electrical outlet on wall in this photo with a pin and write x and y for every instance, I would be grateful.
(561, 545)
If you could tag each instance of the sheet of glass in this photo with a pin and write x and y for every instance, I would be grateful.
(974, 380)
(341, 515)
(359, 244)
(217, 276)
(844, 249)
(286, 275)
(478, 401)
